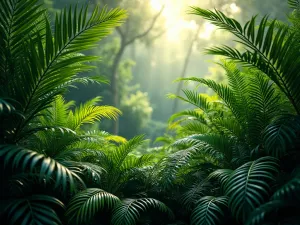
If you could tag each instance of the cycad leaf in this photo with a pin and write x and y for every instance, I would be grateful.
(222, 175)
(129, 211)
(281, 134)
(50, 66)
(209, 211)
(89, 112)
(249, 186)
(270, 50)
(290, 191)
(84, 206)
(26, 160)
(35, 209)
(195, 192)
(120, 154)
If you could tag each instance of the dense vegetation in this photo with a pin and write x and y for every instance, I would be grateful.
(234, 159)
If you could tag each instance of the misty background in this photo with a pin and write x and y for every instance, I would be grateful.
(159, 43)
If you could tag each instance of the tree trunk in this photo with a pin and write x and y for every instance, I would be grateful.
(114, 84)
(185, 66)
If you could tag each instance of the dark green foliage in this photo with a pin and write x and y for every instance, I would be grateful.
(234, 159)
(128, 212)
(209, 210)
(83, 206)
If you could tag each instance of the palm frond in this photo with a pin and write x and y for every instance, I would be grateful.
(258, 215)
(120, 154)
(89, 112)
(45, 62)
(223, 91)
(194, 127)
(133, 161)
(26, 160)
(190, 114)
(36, 209)
(168, 167)
(268, 49)
(84, 205)
(281, 134)
(89, 171)
(294, 4)
(197, 190)
(129, 211)
(238, 84)
(209, 210)
(18, 21)
(265, 106)
(290, 190)
(249, 186)
(214, 144)
(222, 175)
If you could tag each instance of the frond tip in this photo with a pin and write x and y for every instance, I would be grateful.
(209, 210)
(33, 210)
(83, 206)
(129, 211)
(24, 160)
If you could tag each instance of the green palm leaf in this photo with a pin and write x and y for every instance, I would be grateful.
(224, 92)
(248, 186)
(268, 49)
(84, 206)
(209, 211)
(218, 146)
(281, 134)
(195, 99)
(257, 217)
(295, 4)
(265, 106)
(222, 175)
(129, 211)
(49, 66)
(290, 191)
(36, 209)
(195, 192)
(120, 154)
(27, 160)
(89, 112)
(19, 19)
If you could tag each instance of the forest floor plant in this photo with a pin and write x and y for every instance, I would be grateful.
(50, 167)
(248, 139)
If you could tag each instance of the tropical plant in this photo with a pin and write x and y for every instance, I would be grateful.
(37, 64)
(255, 116)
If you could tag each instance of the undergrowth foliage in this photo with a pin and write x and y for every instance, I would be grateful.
(234, 158)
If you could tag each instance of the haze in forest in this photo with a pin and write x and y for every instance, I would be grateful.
(165, 42)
